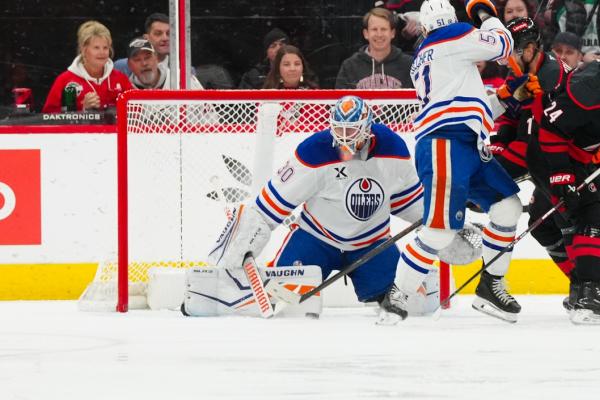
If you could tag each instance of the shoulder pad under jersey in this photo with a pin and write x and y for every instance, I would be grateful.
(318, 150)
(388, 144)
(583, 86)
(551, 73)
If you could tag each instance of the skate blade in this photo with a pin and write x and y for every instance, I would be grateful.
(387, 318)
(584, 317)
(488, 308)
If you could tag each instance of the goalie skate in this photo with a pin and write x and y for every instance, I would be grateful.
(492, 298)
(393, 307)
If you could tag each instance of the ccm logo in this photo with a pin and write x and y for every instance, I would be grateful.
(566, 178)
(20, 198)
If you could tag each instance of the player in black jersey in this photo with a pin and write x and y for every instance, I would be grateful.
(516, 126)
(560, 156)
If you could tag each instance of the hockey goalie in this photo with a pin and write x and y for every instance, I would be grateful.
(347, 180)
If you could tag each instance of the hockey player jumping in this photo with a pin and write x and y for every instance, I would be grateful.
(453, 162)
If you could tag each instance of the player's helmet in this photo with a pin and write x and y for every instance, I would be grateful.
(524, 31)
(435, 14)
(350, 122)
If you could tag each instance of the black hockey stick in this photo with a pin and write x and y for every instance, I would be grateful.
(511, 245)
(281, 293)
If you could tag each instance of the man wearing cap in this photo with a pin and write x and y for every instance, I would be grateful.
(156, 28)
(567, 47)
(146, 71)
(255, 78)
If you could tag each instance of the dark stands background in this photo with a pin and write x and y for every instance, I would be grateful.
(39, 36)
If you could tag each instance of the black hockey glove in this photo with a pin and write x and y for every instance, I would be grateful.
(564, 187)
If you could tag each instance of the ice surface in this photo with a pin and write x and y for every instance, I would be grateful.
(49, 350)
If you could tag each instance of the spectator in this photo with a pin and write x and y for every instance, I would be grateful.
(407, 13)
(378, 65)
(516, 8)
(290, 71)
(579, 17)
(157, 31)
(213, 76)
(567, 47)
(146, 71)
(92, 74)
(255, 78)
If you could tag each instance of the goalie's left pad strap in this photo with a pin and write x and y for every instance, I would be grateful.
(212, 291)
(246, 231)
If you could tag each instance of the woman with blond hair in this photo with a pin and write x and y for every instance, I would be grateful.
(91, 75)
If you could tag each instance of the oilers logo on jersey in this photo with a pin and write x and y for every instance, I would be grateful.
(364, 198)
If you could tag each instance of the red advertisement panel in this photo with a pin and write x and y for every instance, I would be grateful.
(20, 198)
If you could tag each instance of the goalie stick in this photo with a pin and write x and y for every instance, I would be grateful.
(249, 264)
(288, 296)
(511, 245)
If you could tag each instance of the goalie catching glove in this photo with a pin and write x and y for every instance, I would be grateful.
(473, 8)
(246, 231)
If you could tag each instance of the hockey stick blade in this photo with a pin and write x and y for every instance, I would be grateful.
(357, 263)
(512, 244)
(282, 293)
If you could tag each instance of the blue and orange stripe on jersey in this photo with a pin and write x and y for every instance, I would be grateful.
(449, 33)
(273, 205)
(403, 200)
(457, 110)
(364, 239)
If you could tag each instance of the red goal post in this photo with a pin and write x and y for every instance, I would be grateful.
(183, 156)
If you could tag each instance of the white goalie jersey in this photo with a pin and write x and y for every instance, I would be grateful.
(448, 84)
(345, 203)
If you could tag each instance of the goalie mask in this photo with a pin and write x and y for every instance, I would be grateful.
(435, 14)
(350, 123)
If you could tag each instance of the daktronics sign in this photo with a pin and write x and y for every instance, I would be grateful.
(20, 199)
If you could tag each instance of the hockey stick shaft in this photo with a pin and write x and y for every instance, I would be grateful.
(512, 244)
(256, 284)
(361, 260)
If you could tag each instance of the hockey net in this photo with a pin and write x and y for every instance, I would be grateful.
(186, 157)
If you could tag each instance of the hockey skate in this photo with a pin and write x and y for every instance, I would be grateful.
(569, 301)
(393, 307)
(586, 310)
(492, 298)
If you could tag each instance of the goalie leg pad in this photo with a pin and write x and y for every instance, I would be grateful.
(427, 298)
(246, 231)
(213, 291)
